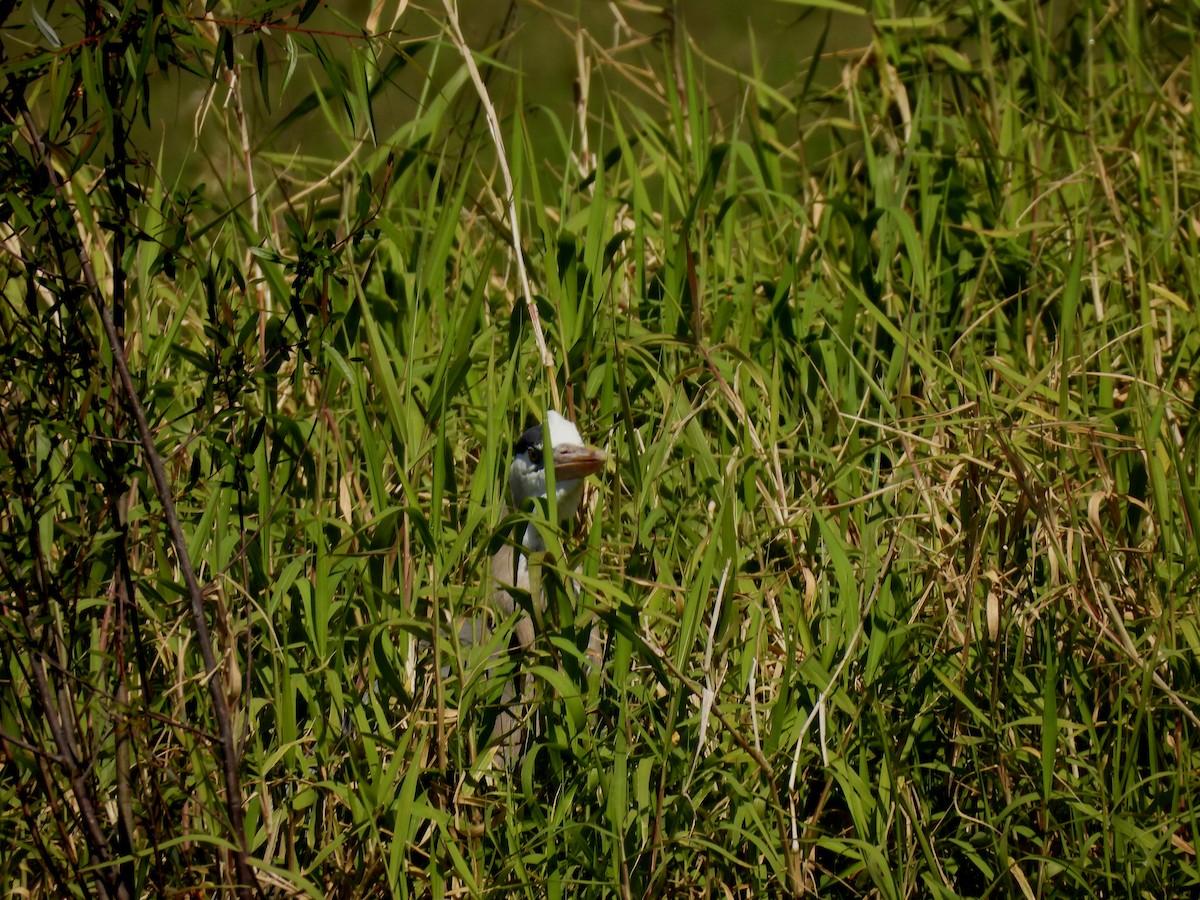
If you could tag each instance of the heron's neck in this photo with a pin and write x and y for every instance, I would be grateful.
(532, 539)
(568, 503)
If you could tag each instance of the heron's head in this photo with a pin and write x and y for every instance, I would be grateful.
(559, 443)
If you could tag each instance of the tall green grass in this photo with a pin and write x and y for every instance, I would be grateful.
(895, 359)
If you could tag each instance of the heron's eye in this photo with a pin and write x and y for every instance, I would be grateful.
(535, 455)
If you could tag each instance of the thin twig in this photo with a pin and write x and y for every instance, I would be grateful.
(228, 757)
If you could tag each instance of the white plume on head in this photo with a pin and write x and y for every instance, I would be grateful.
(562, 430)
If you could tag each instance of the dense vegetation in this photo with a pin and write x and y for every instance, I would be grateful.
(892, 340)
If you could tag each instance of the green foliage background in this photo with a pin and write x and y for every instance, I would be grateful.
(894, 354)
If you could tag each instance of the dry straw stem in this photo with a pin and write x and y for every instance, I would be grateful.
(514, 222)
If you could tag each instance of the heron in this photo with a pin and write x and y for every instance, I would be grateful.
(556, 444)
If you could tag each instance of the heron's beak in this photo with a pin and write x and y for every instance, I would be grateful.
(575, 461)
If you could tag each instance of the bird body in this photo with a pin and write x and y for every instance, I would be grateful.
(556, 445)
